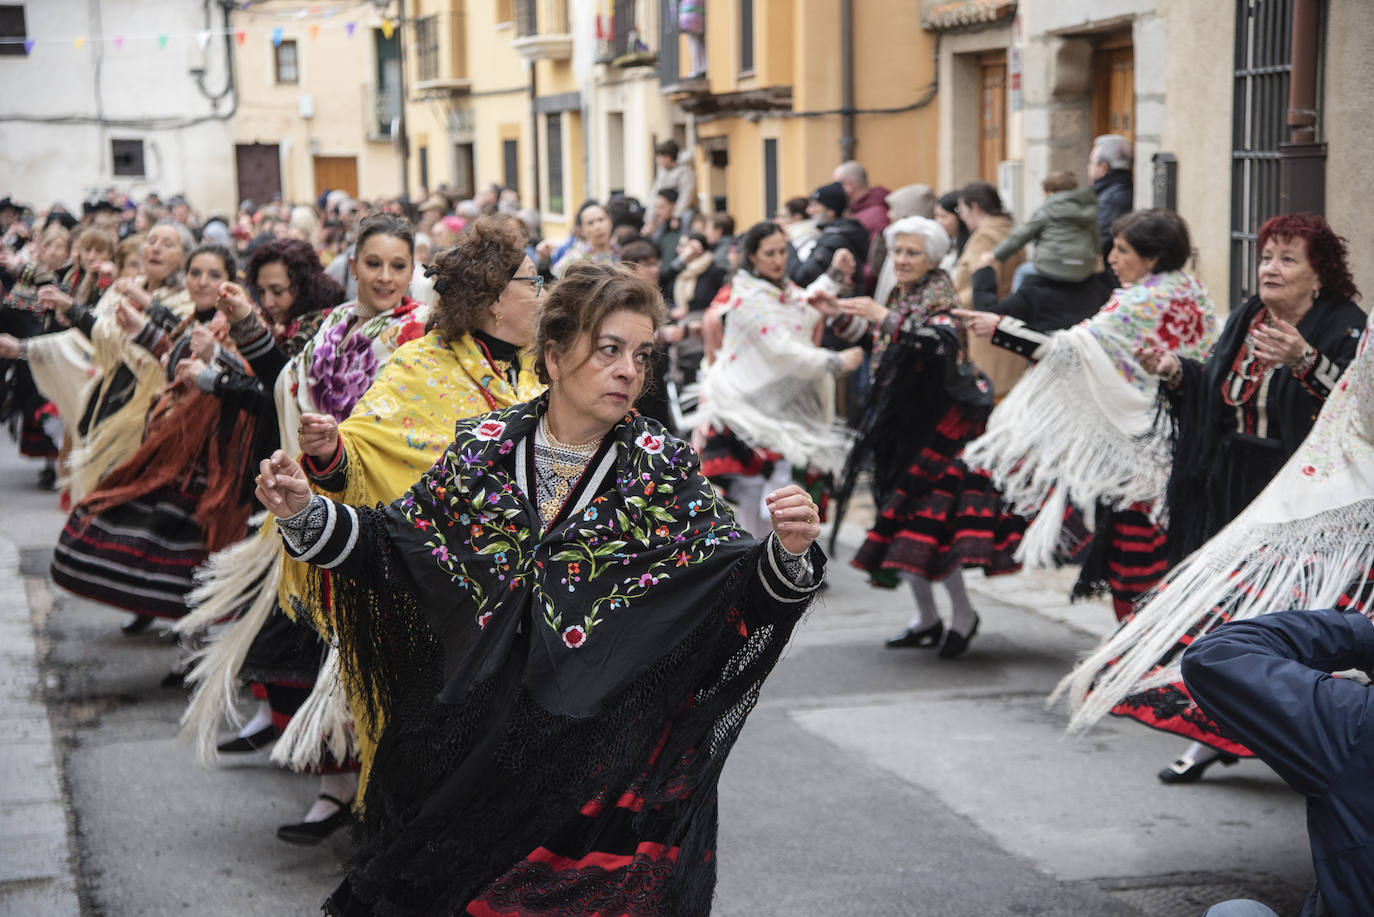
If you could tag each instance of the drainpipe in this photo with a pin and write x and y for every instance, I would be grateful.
(847, 139)
(1302, 160)
(534, 133)
(401, 139)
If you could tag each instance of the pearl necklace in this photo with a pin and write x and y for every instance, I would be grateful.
(558, 467)
(586, 448)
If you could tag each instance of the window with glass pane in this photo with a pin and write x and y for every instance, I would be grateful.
(287, 69)
(427, 48)
(554, 124)
(13, 29)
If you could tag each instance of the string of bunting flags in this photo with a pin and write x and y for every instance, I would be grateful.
(344, 18)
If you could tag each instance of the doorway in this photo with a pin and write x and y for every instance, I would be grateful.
(992, 114)
(336, 173)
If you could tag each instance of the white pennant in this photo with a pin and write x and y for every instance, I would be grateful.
(203, 39)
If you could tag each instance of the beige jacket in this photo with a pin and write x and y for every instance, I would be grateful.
(1002, 366)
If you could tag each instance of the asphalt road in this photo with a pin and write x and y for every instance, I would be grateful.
(868, 782)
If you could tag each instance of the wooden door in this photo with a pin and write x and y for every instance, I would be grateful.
(992, 116)
(336, 173)
(259, 171)
(1114, 88)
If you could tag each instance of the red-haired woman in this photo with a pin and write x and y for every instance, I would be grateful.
(1239, 417)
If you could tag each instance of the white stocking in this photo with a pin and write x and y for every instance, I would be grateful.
(748, 496)
(926, 613)
(340, 786)
(962, 614)
(262, 718)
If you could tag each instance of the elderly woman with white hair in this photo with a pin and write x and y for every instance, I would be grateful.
(935, 516)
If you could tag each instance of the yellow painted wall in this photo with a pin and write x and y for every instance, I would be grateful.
(798, 40)
(337, 72)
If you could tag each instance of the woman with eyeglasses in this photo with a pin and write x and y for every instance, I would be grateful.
(473, 359)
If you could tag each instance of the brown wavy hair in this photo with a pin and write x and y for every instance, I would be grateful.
(581, 301)
(470, 276)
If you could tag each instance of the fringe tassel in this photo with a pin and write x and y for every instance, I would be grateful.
(244, 574)
(1242, 573)
(1051, 442)
(323, 724)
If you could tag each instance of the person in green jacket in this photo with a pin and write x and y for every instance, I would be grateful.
(1064, 230)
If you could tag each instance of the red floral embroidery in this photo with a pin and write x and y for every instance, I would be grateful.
(574, 636)
(1183, 326)
(1308, 471)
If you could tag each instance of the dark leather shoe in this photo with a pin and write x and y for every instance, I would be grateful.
(310, 833)
(956, 644)
(136, 625)
(1189, 770)
(252, 742)
(925, 637)
(174, 680)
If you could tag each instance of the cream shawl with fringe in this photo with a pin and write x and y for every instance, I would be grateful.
(1081, 426)
(1305, 541)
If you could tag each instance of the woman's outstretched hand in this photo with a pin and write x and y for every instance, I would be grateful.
(1157, 361)
(979, 324)
(282, 486)
(796, 521)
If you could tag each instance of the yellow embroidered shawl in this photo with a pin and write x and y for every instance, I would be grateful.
(396, 431)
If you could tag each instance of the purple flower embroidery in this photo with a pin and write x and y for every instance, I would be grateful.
(341, 371)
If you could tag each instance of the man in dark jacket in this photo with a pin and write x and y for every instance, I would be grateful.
(867, 204)
(828, 206)
(1109, 166)
(1268, 683)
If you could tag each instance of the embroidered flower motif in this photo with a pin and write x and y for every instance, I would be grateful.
(488, 430)
(650, 443)
(574, 637)
(483, 618)
(1308, 471)
(341, 370)
(1182, 326)
(505, 447)
(589, 515)
(441, 552)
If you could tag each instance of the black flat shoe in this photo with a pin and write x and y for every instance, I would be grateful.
(310, 833)
(925, 637)
(47, 479)
(956, 644)
(174, 680)
(1189, 770)
(136, 625)
(252, 742)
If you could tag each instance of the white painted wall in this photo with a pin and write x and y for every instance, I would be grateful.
(63, 105)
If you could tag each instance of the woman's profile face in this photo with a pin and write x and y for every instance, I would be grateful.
(1126, 262)
(949, 222)
(600, 378)
(770, 261)
(519, 306)
(275, 293)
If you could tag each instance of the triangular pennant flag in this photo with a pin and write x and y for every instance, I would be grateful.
(314, 32)
(276, 37)
(388, 28)
(241, 36)
(28, 45)
(203, 39)
(161, 42)
(246, 4)
(78, 42)
(349, 28)
(119, 41)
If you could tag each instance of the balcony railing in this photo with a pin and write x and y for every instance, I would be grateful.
(541, 29)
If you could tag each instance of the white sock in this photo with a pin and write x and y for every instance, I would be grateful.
(962, 614)
(748, 495)
(340, 786)
(262, 718)
(1200, 753)
(926, 613)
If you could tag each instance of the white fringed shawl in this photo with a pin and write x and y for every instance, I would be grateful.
(1081, 427)
(770, 384)
(1306, 540)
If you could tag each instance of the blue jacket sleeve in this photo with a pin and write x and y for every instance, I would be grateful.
(1267, 682)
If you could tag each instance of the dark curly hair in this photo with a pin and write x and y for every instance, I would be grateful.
(313, 288)
(470, 276)
(582, 299)
(1159, 234)
(1326, 251)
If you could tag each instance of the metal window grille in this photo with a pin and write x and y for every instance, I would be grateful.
(555, 145)
(288, 70)
(127, 157)
(510, 163)
(667, 43)
(427, 48)
(1260, 115)
(526, 18)
(14, 30)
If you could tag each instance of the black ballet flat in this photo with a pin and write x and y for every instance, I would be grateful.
(136, 625)
(926, 637)
(252, 742)
(1189, 770)
(310, 833)
(956, 644)
(47, 479)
